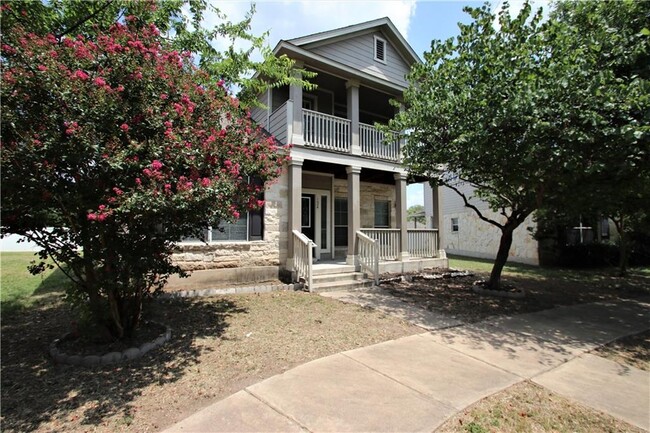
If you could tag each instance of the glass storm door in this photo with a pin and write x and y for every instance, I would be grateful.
(315, 213)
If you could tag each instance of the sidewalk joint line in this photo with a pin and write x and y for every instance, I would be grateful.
(428, 397)
(277, 410)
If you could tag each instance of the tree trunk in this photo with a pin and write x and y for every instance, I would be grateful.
(502, 257)
(623, 252)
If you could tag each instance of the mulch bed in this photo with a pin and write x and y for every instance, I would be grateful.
(454, 295)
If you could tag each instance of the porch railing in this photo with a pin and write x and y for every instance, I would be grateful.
(303, 258)
(368, 255)
(325, 131)
(387, 242)
(422, 242)
(376, 144)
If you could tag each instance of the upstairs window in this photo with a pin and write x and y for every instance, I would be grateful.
(454, 224)
(380, 49)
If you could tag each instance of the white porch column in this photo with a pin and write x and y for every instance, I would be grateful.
(353, 114)
(295, 203)
(295, 95)
(400, 207)
(354, 211)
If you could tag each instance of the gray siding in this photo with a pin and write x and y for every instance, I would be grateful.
(278, 124)
(259, 114)
(358, 53)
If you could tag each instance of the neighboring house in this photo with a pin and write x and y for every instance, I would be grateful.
(463, 233)
(343, 184)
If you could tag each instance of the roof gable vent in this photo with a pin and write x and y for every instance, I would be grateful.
(380, 49)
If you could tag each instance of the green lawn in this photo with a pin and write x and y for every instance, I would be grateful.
(545, 273)
(19, 288)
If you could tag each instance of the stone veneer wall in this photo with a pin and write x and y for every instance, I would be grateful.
(271, 251)
(369, 193)
(477, 238)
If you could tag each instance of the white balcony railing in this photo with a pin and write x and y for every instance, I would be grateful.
(387, 242)
(376, 144)
(325, 131)
(423, 242)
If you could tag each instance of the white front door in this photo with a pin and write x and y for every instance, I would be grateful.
(316, 211)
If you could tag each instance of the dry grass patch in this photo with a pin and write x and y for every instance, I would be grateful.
(526, 407)
(219, 346)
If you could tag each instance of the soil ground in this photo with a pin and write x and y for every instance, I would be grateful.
(219, 345)
(223, 344)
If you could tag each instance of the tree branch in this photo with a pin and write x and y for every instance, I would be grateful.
(83, 20)
(474, 208)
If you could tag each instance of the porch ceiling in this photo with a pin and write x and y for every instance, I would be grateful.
(338, 170)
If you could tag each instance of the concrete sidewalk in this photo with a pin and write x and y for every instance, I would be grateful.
(415, 383)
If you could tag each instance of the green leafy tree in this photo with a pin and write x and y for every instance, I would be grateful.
(614, 41)
(416, 213)
(515, 113)
(114, 147)
(181, 23)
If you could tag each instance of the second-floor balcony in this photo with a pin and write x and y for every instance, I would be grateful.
(335, 134)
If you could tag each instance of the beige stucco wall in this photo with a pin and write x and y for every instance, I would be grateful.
(271, 251)
(369, 193)
(477, 238)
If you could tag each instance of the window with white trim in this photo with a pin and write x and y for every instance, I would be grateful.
(380, 49)
(249, 227)
(454, 224)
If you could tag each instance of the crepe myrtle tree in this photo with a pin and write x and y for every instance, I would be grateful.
(115, 148)
(514, 112)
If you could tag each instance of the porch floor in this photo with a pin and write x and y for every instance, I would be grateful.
(414, 264)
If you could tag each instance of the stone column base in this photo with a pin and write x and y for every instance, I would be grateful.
(351, 260)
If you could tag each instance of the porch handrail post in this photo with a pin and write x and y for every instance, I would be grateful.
(353, 114)
(400, 194)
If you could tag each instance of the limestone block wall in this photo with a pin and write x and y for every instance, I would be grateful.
(369, 193)
(477, 238)
(271, 251)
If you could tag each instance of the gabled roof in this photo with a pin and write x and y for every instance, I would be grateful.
(385, 25)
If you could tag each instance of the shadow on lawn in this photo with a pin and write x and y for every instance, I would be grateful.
(37, 391)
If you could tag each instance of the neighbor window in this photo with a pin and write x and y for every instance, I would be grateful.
(454, 224)
(382, 213)
(341, 221)
(380, 49)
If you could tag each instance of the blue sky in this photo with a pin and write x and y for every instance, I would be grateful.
(419, 22)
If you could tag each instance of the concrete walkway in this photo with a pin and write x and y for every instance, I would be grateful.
(415, 383)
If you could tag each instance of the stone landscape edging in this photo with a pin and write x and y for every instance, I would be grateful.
(197, 293)
(109, 358)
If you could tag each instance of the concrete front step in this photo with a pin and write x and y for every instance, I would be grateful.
(328, 269)
(332, 278)
(341, 285)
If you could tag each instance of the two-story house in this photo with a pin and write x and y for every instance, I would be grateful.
(339, 207)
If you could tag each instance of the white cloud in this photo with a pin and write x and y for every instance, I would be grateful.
(515, 6)
(292, 19)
